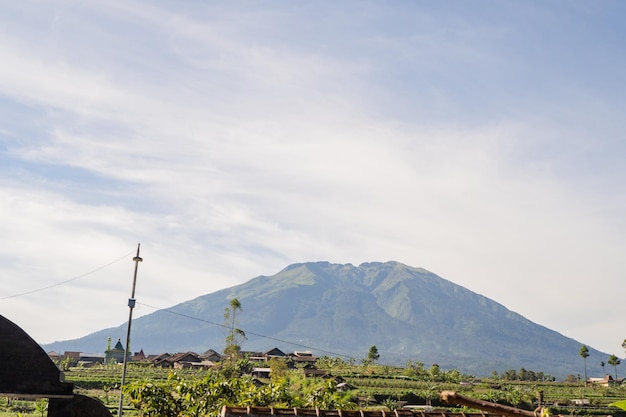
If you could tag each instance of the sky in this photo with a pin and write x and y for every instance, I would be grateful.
(481, 140)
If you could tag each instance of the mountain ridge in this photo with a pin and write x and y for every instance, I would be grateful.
(409, 313)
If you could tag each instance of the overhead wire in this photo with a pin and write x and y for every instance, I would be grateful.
(58, 284)
(248, 332)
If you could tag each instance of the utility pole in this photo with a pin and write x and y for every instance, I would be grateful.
(131, 306)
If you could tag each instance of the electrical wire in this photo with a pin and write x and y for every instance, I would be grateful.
(250, 333)
(170, 311)
(58, 284)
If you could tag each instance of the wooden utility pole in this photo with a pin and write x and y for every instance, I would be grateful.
(131, 306)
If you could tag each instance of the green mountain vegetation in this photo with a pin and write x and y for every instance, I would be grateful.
(342, 310)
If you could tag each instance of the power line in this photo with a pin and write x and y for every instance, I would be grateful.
(247, 332)
(170, 311)
(66, 281)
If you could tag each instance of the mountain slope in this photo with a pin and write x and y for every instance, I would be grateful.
(408, 313)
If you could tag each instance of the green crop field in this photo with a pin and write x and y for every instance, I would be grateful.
(372, 386)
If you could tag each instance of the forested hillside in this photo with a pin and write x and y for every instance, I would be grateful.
(341, 310)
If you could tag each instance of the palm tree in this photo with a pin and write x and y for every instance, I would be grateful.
(614, 361)
(584, 353)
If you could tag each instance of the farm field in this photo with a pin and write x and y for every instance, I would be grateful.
(373, 387)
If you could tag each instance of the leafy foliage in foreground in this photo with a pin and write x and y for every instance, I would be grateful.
(206, 397)
(619, 404)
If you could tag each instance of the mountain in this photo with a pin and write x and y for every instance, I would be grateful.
(334, 309)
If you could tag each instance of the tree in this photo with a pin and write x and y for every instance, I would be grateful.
(510, 375)
(65, 363)
(570, 378)
(602, 366)
(373, 354)
(106, 388)
(434, 372)
(197, 397)
(614, 361)
(206, 397)
(522, 374)
(584, 353)
(430, 393)
(279, 368)
(390, 403)
(235, 335)
(413, 369)
(328, 363)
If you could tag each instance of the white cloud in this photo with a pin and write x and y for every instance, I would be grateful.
(229, 150)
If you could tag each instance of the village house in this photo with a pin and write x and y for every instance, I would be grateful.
(211, 355)
(72, 357)
(90, 359)
(304, 360)
(264, 356)
(273, 353)
(77, 358)
(184, 360)
(261, 372)
(138, 356)
(55, 356)
(160, 361)
(607, 381)
(305, 357)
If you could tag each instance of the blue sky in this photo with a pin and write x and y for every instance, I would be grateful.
(481, 140)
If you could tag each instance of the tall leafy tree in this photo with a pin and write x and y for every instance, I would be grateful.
(279, 368)
(614, 361)
(235, 335)
(584, 353)
(435, 372)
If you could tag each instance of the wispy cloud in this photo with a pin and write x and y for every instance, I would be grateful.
(481, 143)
